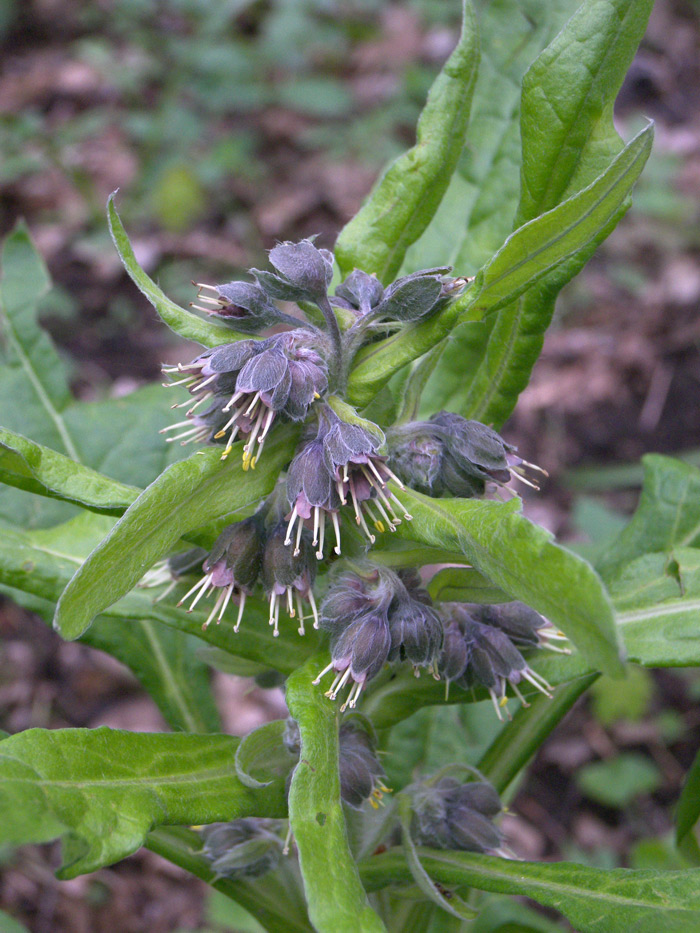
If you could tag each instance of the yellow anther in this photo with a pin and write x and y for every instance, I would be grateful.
(503, 701)
(379, 526)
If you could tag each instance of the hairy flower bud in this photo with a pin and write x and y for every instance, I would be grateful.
(359, 292)
(288, 576)
(454, 657)
(303, 272)
(450, 815)
(416, 633)
(245, 848)
(233, 563)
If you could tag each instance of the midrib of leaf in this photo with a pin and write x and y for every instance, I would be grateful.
(169, 680)
(569, 890)
(674, 608)
(186, 777)
(43, 397)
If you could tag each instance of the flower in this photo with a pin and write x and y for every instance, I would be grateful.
(450, 815)
(243, 305)
(341, 463)
(451, 456)
(233, 563)
(525, 627)
(416, 633)
(251, 383)
(355, 612)
(288, 576)
(361, 775)
(493, 661)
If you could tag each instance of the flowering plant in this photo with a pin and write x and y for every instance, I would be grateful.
(339, 527)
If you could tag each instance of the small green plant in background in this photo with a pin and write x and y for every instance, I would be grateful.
(341, 459)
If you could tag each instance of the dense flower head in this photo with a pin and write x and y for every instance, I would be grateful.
(448, 814)
(244, 848)
(452, 456)
(493, 660)
(247, 385)
(288, 577)
(233, 564)
(341, 465)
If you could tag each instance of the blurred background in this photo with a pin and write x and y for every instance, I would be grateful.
(228, 126)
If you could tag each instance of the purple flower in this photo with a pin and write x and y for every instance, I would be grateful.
(450, 815)
(288, 577)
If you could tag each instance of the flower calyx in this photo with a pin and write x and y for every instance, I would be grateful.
(448, 814)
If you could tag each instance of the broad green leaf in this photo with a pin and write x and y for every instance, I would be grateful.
(105, 789)
(688, 810)
(8, 924)
(40, 563)
(336, 900)
(503, 915)
(568, 95)
(476, 214)
(408, 194)
(183, 322)
(667, 517)
(520, 558)
(465, 585)
(33, 380)
(188, 495)
(592, 899)
(42, 471)
(261, 757)
(555, 245)
(568, 139)
(274, 899)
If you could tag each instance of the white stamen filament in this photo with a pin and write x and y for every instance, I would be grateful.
(314, 610)
(288, 536)
(336, 529)
(241, 607)
(205, 580)
(323, 673)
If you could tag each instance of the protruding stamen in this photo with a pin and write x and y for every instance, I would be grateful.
(494, 700)
(323, 673)
(322, 535)
(336, 529)
(241, 607)
(337, 686)
(205, 580)
(314, 610)
(300, 612)
(288, 536)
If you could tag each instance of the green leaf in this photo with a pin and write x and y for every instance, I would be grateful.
(261, 757)
(568, 139)
(592, 899)
(520, 558)
(555, 245)
(336, 900)
(503, 915)
(40, 563)
(188, 495)
(408, 194)
(8, 924)
(105, 789)
(476, 214)
(616, 783)
(40, 470)
(688, 809)
(34, 377)
(466, 585)
(667, 517)
(183, 322)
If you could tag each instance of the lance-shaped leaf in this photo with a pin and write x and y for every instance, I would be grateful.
(592, 899)
(40, 470)
(188, 495)
(408, 194)
(553, 245)
(336, 899)
(104, 789)
(184, 323)
(521, 559)
(568, 139)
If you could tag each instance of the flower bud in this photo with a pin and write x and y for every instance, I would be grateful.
(234, 563)
(360, 292)
(304, 272)
(450, 815)
(288, 576)
(410, 298)
(245, 848)
(454, 657)
(416, 633)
